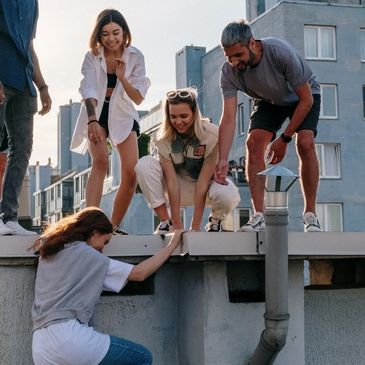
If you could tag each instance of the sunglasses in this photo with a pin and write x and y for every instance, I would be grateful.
(179, 93)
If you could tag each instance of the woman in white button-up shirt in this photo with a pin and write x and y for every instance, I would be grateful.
(114, 80)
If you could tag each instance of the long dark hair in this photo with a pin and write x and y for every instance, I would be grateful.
(105, 17)
(76, 227)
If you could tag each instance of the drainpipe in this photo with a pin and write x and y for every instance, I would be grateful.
(276, 315)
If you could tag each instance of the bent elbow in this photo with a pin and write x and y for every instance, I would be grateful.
(137, 274)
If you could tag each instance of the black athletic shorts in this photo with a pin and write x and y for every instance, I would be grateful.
(271, 117)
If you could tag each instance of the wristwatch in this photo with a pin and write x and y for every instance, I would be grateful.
(285, 138)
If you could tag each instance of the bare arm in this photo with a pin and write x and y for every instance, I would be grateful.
(201, 189)
(147, 267)
(93, 129)
(227, 128)
(173, 190)
(132, 93)
(40, 83)
(279, 147)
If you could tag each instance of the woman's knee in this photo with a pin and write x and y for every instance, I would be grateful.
(224, 195)
(147, 165)
(101, 164)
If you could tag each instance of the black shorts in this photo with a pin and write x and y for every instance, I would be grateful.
(103, 120)
(271, 117)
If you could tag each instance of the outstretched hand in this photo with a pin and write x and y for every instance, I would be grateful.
(176, 239)
(221, 171)
(277, 151)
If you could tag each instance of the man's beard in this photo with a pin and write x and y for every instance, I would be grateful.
(249, 63)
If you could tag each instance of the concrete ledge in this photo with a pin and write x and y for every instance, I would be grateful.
(199, 244)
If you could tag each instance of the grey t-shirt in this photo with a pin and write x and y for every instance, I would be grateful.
(274, 79)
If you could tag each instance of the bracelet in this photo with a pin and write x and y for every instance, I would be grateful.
(42, 87)
(92, 121)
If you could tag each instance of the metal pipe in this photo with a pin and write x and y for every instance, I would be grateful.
(276, 315)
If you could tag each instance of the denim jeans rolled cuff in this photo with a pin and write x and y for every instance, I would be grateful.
(17, 114)
(124, 352)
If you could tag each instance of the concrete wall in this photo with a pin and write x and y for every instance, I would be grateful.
(334, 326)
(187, 321)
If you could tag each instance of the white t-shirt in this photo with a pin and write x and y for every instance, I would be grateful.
(74, 343)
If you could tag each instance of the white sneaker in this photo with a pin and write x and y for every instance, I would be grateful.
(255, 224)
(18, 230)
(163, 228)
(311, 223)
(4, 230)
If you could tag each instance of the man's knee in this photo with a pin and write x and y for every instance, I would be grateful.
(257, 141)
(305, 144)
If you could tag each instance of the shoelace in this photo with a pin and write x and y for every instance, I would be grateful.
(165, 225)
(311, 219)
(255, 220)
(214, 224)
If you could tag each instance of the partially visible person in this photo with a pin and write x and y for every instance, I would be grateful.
(72, 272)
(3, 146)
(282, 86)
(3, 160)
(20, 73)
(114, 80)
(187, 147)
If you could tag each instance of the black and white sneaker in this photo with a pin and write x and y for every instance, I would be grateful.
(164, 227)
(255, 224)
(213, 225)
(311, 223)
(117, 231)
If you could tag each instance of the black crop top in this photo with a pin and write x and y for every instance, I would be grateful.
(112, 80)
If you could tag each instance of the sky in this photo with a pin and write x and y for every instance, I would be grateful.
(160, 28)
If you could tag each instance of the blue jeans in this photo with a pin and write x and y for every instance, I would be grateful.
(17, 114)
(124, 352)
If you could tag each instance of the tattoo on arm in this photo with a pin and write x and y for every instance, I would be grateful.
(90, 108)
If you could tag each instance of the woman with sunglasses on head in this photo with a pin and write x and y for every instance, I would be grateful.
(187, 146)
(114, 80)
(72, 272)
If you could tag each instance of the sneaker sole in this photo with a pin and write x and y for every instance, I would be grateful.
(252, 230)
(161, 233)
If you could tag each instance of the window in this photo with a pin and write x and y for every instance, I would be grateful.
(330, 217)
(240, 119)
(329, 160)
(58, 188)
(362, 44)
(319, 43)
(328, 101)
(77, 185)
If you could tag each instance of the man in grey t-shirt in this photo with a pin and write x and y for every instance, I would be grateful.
(282, 86)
